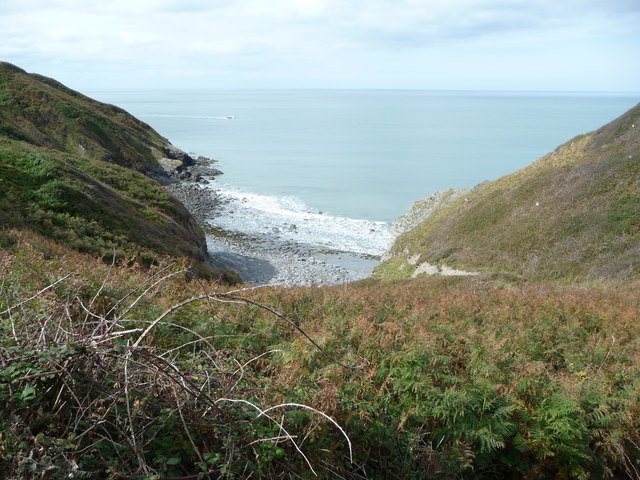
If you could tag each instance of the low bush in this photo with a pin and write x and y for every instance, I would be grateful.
(431, 378)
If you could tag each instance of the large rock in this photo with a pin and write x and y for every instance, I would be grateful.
(174, 153)
(182, 167)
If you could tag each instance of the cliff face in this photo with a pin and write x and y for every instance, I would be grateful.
(72, 169)
(573, 214)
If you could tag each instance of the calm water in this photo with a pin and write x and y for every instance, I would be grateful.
(360, 157)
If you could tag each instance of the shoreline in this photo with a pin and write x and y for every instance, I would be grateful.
(262, 261)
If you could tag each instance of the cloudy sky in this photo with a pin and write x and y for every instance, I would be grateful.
(574, 45)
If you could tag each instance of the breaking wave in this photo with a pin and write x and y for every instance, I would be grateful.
(288, 219)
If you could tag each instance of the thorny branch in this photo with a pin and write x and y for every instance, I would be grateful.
(110, 392)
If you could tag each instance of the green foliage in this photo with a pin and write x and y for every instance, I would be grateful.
(457, 378)
(113, 211)
(6, 99)
(559, 433)
(471, 380)
(625, 216)
(46, 113)
(79, 399)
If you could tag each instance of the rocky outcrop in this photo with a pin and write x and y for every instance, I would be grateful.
(180, 166)
(423, 208)
(426, 268)
(420, 211)
(174, 153)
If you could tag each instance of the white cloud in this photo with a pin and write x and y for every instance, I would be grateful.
(318, 42)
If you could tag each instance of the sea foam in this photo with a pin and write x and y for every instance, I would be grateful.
(289, 219)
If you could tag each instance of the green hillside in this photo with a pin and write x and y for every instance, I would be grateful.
(43, 112)
(71, 168)
(574, 215)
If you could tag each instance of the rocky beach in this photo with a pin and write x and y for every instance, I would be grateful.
(259, 260)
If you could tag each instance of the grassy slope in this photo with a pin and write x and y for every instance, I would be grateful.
(573, 214)
(69, 169)
(44, 112)
(465, 378)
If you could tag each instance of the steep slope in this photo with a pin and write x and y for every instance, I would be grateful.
(573, 214)
(71, 168)
(44, 112)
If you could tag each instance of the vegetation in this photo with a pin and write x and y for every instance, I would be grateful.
(453, 378)
(116, 362)
(45, 113)
(70, 169)
(574, 215)
(98, 208)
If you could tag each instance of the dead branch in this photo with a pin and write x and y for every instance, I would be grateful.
(322, 414)
(287, 434)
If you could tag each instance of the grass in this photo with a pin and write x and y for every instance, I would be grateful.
(46, 113)
(100, 208)
(136, 369)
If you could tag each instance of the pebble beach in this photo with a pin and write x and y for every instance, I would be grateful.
(261, 261)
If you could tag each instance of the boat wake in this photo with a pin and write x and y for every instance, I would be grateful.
(198, 117)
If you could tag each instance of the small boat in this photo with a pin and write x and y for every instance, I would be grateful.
(230, 117)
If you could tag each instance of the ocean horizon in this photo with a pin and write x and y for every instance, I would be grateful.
(333, 168)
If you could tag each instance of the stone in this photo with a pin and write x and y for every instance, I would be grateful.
(174, 153)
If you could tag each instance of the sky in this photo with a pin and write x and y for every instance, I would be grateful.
(546, 45)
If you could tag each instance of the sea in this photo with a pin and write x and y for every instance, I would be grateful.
(331, 169)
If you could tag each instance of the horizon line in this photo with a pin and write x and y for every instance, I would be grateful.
(345, 89)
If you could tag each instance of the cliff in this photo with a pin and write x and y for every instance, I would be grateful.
(574, 214)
